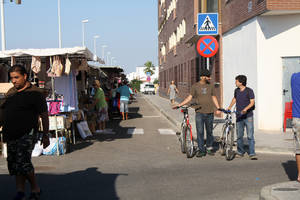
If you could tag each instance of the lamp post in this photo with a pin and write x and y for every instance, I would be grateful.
(103, 56)
(2, 26)
(83, 22)
(95, 48)
(111, 60)
(107, 58)
(59, 24)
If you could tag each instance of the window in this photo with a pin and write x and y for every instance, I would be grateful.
(212, 6)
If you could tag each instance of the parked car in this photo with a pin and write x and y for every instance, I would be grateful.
(149, 89)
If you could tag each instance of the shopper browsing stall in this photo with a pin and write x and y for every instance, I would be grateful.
(101, 106)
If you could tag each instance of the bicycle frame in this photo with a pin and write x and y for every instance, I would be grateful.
(186, 120)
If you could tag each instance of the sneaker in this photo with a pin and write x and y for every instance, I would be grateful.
(239, 155)
(200, 154)
(253, 157)
(210, 152)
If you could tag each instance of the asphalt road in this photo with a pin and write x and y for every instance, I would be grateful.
(142, 160)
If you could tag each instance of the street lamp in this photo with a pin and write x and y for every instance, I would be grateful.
(95, 49)
(107, 58)
(111, 60)
(103, 46)
(83, 22)
(2, 26)
(59, 24)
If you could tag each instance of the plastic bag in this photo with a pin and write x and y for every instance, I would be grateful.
(38, 149)
(83, 129)
(52, 148)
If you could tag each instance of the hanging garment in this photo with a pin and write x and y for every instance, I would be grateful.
(36, 64)
(68, 66)
(57, 67)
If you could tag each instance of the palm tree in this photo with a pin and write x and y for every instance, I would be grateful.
(149, 68)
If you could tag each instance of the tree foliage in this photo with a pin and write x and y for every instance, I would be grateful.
(149, 68)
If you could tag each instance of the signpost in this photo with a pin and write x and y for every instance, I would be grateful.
(208, 24)
(207, 47)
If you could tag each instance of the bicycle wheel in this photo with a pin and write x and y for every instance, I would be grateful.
(229, 143)
(182, 138)
(189, 144)
(223, 138)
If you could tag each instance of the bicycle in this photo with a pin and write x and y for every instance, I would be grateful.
(186, 136)
(227, 138)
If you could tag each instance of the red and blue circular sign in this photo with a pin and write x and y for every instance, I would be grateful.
(207, 46)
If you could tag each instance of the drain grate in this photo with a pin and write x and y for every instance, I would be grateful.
(286, 189)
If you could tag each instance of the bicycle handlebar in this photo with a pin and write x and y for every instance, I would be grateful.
(193, 104)
(227, 111)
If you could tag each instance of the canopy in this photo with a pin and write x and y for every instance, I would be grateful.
(83, 51)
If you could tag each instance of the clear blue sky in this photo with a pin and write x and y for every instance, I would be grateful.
(129, 28)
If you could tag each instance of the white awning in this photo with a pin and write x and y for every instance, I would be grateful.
(51, 52)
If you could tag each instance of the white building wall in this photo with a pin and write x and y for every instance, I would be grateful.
(277, 37)
(255, 49)
(240, 58)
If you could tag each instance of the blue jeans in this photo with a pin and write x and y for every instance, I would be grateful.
(240, 125)
(203, 119)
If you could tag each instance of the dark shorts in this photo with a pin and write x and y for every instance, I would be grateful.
(19, 155)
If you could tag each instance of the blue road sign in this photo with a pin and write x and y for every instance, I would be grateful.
(208, 24)
(148, 73)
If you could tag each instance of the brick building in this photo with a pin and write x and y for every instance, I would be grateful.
(178, 57)
(261, 40)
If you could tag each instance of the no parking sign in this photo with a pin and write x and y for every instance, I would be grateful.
(207, 46)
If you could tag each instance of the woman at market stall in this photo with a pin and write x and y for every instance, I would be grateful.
(101, 106)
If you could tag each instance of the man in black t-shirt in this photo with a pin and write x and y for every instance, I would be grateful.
(23, 105)
(244, 100)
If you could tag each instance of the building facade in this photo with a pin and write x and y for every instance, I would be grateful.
(139, 74)
(261, 40)
(178, 57)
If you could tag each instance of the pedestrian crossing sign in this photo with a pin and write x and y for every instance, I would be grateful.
(208, 24)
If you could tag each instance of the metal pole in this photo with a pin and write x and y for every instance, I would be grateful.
(95, 49)
(103, 55)
(59, 24)
(55, 117)
(207, 60)
(3, 27)
(83, 34)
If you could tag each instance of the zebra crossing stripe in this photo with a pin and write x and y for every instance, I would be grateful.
(166, 132)
(135, 131)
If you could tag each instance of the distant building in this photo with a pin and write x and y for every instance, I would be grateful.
(177, 40)
(261, 40)
(141, 75)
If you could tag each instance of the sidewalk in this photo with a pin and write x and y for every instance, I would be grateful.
(265, 141)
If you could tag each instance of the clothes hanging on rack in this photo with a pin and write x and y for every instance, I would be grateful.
(68, 66)
(36, 64)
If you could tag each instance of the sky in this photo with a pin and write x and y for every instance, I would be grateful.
(127, 27)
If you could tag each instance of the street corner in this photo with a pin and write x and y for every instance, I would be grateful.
(281, 191)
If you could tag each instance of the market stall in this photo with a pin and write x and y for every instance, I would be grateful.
(60, 72)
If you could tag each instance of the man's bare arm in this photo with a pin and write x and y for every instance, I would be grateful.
(45, 122)
(185, 101)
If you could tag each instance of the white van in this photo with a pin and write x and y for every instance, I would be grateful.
(149, 89)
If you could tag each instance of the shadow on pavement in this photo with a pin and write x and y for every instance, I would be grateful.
(79, 185)
(290, 168)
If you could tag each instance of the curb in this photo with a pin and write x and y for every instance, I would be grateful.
(266, 192)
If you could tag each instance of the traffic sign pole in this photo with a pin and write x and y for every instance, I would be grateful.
(207, 60)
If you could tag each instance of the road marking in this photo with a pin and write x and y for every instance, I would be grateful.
(151, 116)
(166, 132)
(135, 131)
